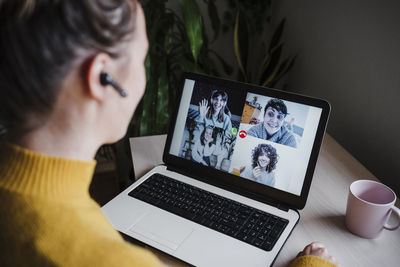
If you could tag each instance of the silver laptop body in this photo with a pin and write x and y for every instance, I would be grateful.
(199, 245)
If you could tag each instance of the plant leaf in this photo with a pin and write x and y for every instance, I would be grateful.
(272, 65)
(147, 113)
(277, 71)
(215, 21)
(187, 65)
(162, 101)
(276, 38)
(241, 43)
(194, 25)
(284, 71)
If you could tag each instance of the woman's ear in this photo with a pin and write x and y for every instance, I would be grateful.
(97, 65)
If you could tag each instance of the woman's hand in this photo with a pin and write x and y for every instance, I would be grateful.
(203, 108)
(317, 249)
(257, 171)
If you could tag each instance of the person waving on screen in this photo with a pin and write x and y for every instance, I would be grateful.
(217, 113)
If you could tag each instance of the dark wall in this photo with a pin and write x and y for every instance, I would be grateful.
(349, 54)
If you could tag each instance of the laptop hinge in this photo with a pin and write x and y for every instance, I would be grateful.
(234, 189)
(283, 207)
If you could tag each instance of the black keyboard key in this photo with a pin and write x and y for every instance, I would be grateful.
(226, 216)
(267, 245)
(257, 243)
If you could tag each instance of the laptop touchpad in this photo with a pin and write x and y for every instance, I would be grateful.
(168, 232)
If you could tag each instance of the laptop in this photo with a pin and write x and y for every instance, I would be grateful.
(238, 165)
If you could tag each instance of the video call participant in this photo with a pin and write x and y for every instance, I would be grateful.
(264, 160)
(272, 128)
(216, 114)
(204, 148)
(57, 117)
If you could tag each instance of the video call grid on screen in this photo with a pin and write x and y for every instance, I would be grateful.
(231, 131)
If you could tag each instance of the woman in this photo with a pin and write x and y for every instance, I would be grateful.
(62, 69)
(58, 111)
(264, 160)
(204, 148)
(217, 114)
(272, 129)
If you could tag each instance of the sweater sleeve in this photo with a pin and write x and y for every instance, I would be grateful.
(291, 141)
(253, 131)
(124, 254)
(199, 119)
(311, 261)
(272, 180)
(227, 124)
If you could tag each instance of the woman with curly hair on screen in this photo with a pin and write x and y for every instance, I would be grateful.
(264, 160)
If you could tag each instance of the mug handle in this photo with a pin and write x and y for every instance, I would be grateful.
(391, 228)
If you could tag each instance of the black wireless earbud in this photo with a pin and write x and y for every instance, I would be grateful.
(106, 79)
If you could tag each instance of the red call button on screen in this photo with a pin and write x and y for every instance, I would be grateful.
(242, 134)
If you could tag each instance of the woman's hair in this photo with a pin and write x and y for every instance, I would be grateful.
(41, 41)
(277, 104)
(202, 138)
(224, 97)
(269, 151)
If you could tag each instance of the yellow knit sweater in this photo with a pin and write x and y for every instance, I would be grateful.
(47, 217)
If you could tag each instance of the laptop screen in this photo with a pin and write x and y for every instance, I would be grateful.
(257, 135)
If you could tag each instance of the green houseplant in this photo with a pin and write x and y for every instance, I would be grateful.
(229, 143)
(178, 42)
(264, 63)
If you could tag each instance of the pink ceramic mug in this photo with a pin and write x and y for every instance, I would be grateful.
(369, 207)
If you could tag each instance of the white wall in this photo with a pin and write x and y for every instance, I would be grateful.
(349, 54)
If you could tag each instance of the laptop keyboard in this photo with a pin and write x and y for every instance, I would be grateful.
(250, 225)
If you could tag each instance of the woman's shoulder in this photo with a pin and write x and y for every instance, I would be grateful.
(197, 144)
(248, 172)
(255, 130)
(288, 137)
(268, 176)
(227, 116)
(227, 119)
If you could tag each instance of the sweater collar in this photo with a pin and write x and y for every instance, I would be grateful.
(28, 172)
(274, 137)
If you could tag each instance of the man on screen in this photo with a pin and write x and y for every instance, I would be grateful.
(272, 128)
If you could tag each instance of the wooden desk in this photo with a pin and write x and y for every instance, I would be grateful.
(322, 219)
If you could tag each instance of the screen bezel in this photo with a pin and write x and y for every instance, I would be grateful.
(218, 177)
